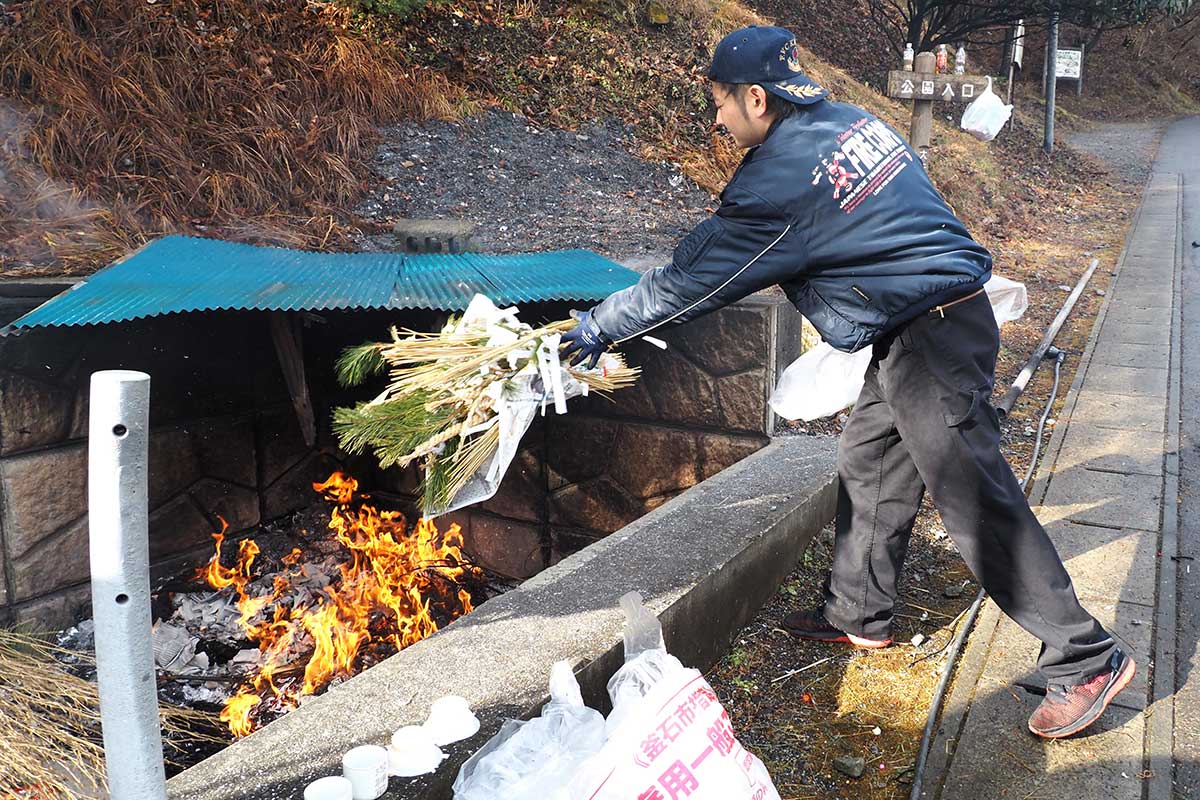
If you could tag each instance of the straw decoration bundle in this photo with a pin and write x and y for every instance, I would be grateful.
(446, 389)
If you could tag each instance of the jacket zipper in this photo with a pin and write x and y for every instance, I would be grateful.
(708, 296)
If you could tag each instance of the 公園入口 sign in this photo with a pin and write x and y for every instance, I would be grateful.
(906, 85)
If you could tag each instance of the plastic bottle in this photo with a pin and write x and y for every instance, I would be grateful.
(942, 59)
(960, 60)
(908, 57)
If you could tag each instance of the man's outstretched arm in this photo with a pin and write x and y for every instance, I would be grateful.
(748, 245)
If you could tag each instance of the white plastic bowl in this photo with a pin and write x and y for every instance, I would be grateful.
(331, 788)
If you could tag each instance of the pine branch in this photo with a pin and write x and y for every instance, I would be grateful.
(356, 364)
(435, 487)
(392, 429)
(440, 385)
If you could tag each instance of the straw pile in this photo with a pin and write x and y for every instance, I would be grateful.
(255, 117)
(443, 402)
(50, 742)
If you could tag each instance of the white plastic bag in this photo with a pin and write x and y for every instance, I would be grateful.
(823, 381)
(986, 115)
(1008, 298)
(646, 661)
(536, 759)
(544, 382)
(669, 736)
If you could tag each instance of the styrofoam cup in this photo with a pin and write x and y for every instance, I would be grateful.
(451, 720)
(332, 788)
(413, 752)
(450, 703)
(366, 767)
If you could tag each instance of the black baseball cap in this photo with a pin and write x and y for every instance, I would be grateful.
(768, 56)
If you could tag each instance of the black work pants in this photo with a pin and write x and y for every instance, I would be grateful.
(924, 421)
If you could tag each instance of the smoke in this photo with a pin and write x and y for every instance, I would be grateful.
(47, 225)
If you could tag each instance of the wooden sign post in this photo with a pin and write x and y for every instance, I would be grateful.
(924, 86)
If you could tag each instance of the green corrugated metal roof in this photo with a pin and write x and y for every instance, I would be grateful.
(178, 274)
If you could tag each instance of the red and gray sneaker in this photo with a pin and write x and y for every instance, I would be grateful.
(1067, 710)
(811, 624)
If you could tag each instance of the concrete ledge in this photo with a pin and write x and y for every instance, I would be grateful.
(705, 562)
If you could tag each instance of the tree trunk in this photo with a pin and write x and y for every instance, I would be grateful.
(914, 32)
(1092, 41)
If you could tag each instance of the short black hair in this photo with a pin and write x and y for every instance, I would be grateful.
(777, 106)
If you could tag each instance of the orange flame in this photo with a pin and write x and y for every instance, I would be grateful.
(218, 576)
(236, 713)
(387, 588)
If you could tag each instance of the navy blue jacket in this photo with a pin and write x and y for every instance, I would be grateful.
(835, 208)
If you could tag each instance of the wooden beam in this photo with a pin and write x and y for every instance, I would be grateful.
(922, 116)
(286, 332)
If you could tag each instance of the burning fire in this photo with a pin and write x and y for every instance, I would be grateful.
(388, 584)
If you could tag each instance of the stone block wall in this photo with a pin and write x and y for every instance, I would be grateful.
(700, 406)
(225, 441)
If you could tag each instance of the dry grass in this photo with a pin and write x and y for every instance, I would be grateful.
(43, 221)
(729, 16)
(256, 118)
(50, 743)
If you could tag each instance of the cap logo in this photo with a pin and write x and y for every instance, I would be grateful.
(790, 54)
(803, 92)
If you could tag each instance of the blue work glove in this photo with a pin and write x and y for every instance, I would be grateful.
(584, 341)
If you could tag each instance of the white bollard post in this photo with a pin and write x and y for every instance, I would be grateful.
(118, 435)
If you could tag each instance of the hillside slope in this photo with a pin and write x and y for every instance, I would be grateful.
(135, 120)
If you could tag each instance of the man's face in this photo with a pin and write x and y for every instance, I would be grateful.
(742, 113)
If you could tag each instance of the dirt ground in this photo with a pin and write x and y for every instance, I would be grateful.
(573, 188)
(801, 705)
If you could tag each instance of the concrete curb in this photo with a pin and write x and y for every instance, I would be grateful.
(979, 642)
(1160, 714)
(705, 562)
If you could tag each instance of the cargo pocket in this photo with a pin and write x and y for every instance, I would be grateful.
(962, 406)
(953, 360)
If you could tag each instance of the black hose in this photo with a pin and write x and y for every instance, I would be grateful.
(1059, 357)
(956, 646)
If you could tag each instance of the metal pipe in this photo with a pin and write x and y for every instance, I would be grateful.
(1051, 80)
(939, 694)
(118, 436)
(1010, 397)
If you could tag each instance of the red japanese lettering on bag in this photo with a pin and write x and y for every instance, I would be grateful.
(678, 780)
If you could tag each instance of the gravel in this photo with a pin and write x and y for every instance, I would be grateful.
(1126, 148)
(530, 188)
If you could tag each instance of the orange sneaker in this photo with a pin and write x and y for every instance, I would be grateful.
(1067, 710)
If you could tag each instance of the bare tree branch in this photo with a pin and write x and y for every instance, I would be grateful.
(929, 23)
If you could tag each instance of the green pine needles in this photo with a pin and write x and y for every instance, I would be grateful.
(445, 394)
(392, 430)
(357, 364)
